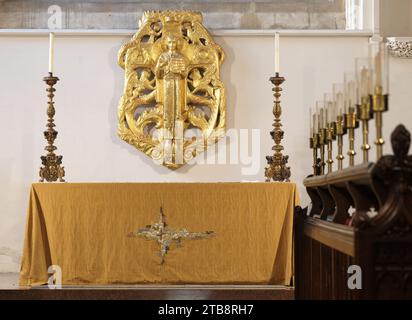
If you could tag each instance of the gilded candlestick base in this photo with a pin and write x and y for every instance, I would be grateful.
(277, 169)
(51, 169)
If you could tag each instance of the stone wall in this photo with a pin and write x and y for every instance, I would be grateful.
(223, 14)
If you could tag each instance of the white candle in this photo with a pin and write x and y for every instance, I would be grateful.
(310, 123)
(277, 52)
(51, 51)
(364, 85)
(320, 122)
(340, 102)
(315, 123)
(378, 69)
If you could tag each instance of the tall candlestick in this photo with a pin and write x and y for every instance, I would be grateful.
(315, 123)
(363, 106)
(51, 51)
(51, 169)
(277, 169)
(379, 88)
(277, 59)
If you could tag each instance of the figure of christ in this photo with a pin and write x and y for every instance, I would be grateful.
(172, 68)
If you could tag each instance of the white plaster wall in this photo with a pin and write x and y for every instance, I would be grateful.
(396, 18)
(91, 85)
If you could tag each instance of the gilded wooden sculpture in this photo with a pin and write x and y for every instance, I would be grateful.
(173, 104)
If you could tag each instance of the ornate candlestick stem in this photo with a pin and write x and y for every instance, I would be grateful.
(51, 169)
(351, 125)
(340, 131)
(379, 142)
(330, 134)
(379, 105)
(276, 169)
(364, 115)
(321, 143)
(365, 138)
(314, 146)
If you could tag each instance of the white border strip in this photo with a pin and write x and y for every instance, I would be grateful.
(218, 33)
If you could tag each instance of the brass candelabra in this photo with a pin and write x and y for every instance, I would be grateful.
(364, 114)
(277, 169)
(362, 96)
(351, 124)
(340, 132)
(51, 169)
(379, 105)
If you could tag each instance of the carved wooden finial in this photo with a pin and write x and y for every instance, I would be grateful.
(400, 140)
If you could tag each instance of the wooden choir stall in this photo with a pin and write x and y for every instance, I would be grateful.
(376, 240)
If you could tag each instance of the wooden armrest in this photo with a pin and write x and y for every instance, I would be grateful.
(333, 235)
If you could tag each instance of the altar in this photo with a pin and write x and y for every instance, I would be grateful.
(88, 230)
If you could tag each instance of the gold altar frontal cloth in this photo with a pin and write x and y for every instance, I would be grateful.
(84, 229)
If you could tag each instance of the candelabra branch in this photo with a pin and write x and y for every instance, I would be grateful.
(277, 169)
(51, 169)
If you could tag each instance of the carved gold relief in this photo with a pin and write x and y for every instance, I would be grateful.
(173, 104)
